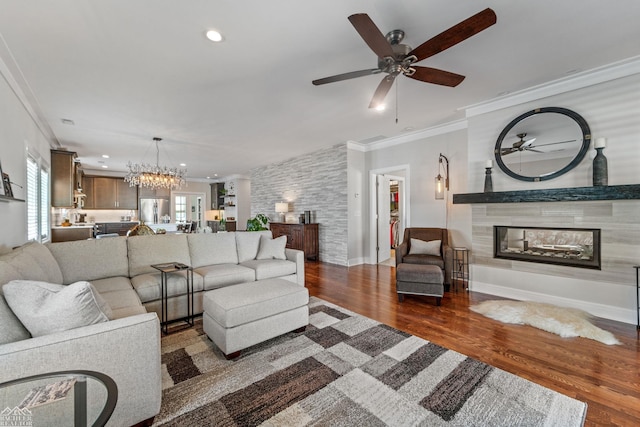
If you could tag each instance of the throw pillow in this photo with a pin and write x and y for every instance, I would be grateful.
(421, 247)
(272, 248)
(45, 308)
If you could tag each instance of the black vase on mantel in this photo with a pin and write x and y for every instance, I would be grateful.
(488, 183)
(600, 169)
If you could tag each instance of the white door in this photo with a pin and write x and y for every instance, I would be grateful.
(384, 218)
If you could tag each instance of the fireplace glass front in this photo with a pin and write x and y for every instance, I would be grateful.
(575, 247)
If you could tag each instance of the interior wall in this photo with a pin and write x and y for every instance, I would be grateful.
(316, 182)
(19, 134)
(422, 157)
(611, 109)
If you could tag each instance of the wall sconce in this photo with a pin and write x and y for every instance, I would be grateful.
(442, 184)
(282, 208)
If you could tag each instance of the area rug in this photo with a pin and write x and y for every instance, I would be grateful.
(566, 322)
(347, 370)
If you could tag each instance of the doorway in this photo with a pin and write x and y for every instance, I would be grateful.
(389, 211)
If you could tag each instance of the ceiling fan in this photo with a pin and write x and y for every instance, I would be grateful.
(523, 145)
(520, 145)
(395, 58)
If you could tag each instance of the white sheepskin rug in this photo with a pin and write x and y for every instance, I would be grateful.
(566, 322)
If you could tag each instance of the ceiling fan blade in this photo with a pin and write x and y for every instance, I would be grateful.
(554, 143)
(382, 90)
(534, 150)
(433, 75)
(528, 142)
(346, 76)
(372, 36)
(454, 35)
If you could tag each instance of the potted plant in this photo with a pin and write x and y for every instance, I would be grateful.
(258, 223)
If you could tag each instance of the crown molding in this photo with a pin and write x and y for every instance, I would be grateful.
(616, 70)
(20, 87)
(409, 137)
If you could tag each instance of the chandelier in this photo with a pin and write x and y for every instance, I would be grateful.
(150, 176)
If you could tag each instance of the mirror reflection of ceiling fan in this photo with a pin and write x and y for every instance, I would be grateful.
(527, 145)
(395, 58)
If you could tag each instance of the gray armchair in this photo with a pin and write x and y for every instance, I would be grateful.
(444, 261)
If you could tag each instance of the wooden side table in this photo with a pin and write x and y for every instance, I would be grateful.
(166, 269)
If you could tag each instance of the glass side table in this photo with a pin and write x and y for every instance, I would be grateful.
(167, 269)
(65, 398)
(460, 271)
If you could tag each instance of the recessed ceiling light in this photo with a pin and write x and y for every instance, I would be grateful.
(105, 166)
(214, 36)
(380, 107)
(183, 164)
(67, 122)
(208, 177)
(105, 156)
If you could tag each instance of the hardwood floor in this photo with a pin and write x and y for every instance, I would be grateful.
(606, 377)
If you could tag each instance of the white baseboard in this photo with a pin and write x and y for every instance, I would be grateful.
(605, 311)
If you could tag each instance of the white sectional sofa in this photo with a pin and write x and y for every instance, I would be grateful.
(127, 347)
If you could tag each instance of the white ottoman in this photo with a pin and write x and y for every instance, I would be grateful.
(238, 316)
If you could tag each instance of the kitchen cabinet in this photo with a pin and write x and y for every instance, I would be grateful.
(120, 228)
(150, 193)
(217, 195)
(63, 178)
(113, 193)
(303, 237)
(87, 189)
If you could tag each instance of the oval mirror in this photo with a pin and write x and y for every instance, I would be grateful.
(542, 144)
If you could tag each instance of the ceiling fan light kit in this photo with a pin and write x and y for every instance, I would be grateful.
(395, 58)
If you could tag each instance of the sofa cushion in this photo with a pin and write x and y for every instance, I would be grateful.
(12, 329)
(34, 261)
(217, 276)
(148, 286)
(157, 249)
(120, 295)
(248, 243)
(272, 248)
(424, 259)
(8, 272)
(45, 308)
(267, 269)
(212, 248)
(91, 259)
(420, 247)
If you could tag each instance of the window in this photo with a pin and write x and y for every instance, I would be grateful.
(37, 201)
(181, 208)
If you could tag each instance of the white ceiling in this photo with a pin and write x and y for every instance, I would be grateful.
(126, 71)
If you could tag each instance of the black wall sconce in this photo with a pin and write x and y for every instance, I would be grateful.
(442, 184)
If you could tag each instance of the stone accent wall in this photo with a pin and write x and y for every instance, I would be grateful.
(618, 221)
(316, 182)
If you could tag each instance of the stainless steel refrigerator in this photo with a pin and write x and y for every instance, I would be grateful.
(152, 211)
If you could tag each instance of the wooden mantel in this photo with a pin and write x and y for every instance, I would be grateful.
(575, 194)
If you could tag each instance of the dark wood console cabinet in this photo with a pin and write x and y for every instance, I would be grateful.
(299, 236)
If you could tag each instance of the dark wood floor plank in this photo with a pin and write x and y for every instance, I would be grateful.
(606, 377)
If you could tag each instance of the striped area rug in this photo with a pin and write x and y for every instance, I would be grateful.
(347, 370)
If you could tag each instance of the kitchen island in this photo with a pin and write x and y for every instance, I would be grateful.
(80, 231)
